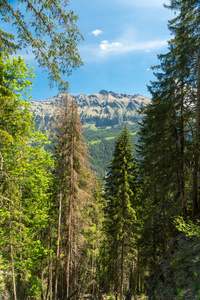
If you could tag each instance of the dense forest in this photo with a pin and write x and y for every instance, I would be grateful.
(66, 234)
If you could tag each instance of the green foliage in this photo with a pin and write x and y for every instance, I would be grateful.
(101, 143)
(169, 139)
(15, 120)
(120, 216)
(58, 226)
(24, 181)
(27, 214)
(100, 133)
(188, 227)
(51, 32)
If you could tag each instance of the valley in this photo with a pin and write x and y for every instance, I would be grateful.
(103, 116)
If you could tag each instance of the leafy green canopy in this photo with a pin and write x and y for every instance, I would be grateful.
(15, 119)
(24, 181)
(51, 32)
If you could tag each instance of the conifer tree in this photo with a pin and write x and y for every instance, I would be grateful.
(168, 142)
(186, 28)
(49, 29)
(120, 214)
(75, 191)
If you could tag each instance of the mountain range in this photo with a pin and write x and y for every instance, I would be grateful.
(103, 116)
(102, 109)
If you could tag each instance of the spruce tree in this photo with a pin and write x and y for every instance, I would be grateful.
(74, 182)
(186, 28)
(169, 135)
(49, 29)
(120, 220)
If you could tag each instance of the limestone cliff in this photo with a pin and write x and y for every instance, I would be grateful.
(102, 109)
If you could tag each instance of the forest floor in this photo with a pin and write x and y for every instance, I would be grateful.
(178, 274)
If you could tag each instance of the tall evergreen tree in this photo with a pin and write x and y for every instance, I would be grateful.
(186, 28)
(120, 220)
(168, 142)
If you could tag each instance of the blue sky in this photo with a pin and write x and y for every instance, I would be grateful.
(121, 41)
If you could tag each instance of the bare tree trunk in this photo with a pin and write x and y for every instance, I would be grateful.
(195, 208)
(122, 247)
(58, 241)
(116, 270)
(122, 267)
(13, 272)
(12, 262)
(138, 288)
(132, 284)
(182, 142)
(69, 216)
(51, 266)
(20, 230)
(42, 282)
(74, 262)
(48, 294)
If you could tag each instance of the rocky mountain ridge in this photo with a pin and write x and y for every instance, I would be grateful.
(102, 109)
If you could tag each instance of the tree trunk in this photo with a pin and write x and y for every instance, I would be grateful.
(122, 267)
(131, 291)
(74, 261)
(116, 270)
(20, 230)
(12, 262)
(13, 272)
(50, 268)
(42, 282)
(122, 246)
(182, 142)
(70, 213)
(58, 242)
(195, 207)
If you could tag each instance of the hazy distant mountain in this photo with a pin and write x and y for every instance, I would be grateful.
(103, 109)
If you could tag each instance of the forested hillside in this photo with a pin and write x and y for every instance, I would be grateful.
(103, 116)
(101, 143)
(66, 234)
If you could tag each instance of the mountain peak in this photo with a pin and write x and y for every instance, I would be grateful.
(103, 92)
(103, 109)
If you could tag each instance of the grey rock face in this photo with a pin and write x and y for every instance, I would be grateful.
(102, 109)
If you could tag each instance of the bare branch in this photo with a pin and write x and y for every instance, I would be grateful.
(2, 160)
(5, 198)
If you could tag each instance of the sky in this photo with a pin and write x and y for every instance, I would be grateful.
(122, 39)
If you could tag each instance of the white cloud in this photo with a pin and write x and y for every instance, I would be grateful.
(106, 46)
(96, 32)
(141, 3)
(126, 46)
